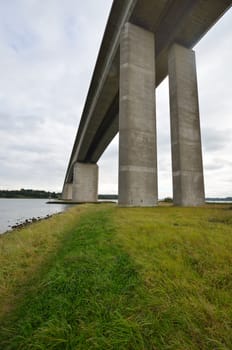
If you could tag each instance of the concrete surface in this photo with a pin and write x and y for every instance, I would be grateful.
(187, 169)
(85, 183)
(67, 191)
(137, 124)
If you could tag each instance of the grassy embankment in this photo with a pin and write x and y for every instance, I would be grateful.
(102, 277)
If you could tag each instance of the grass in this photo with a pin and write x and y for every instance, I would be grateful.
(103, 277)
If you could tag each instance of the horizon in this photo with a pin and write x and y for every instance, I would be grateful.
(102, 194)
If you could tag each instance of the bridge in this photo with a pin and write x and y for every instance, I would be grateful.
(144, 41)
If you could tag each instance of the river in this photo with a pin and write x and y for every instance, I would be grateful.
(13, 211)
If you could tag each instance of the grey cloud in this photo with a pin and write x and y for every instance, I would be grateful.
(214, 165)
(164, 141)
(110, 153)
(29, 148)
(19, 123)
(214, 140)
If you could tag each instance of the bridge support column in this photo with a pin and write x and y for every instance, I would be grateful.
(188, 180)
(67, 191)
(137, 124)
(85, 183)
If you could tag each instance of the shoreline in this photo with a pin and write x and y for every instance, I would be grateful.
(17, 213)
(27, 222)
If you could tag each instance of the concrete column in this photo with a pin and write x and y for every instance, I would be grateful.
(67, 191)
(188, 180)
(85, 182)
(137, 124)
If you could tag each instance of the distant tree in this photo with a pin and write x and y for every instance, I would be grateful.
(28, 193)
(168, 200)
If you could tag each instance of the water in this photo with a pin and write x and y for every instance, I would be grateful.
(218, 201)
(14, 211)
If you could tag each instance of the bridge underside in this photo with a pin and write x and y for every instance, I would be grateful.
(174, 27)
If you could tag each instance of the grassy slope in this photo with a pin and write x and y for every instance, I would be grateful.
(102, 277)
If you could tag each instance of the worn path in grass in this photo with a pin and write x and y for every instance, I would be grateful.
(103, 277)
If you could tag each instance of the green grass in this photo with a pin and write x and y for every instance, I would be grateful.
(103, 277)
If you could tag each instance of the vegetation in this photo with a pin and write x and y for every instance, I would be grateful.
(108, 196)
(104, 277)
(226, 199)
(23, 193)
(168, 200)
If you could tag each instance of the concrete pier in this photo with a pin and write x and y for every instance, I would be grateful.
(67, 191)
(137, 123)
(85, 182)
(188, 181)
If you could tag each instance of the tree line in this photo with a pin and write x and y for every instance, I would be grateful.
(28, 193)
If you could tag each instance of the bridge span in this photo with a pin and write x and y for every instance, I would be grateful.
(144, 41)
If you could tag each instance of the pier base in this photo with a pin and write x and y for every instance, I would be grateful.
(85, 183)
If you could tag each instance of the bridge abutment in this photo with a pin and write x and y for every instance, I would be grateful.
(85, 182)
(137, 118)
(187, 169)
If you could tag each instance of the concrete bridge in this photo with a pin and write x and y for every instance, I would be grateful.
(144, 41)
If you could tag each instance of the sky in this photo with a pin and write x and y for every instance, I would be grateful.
(48, 49)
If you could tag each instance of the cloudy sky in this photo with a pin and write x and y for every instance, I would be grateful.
(48, 49)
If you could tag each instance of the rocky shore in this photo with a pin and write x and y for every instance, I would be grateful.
(22, 224)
